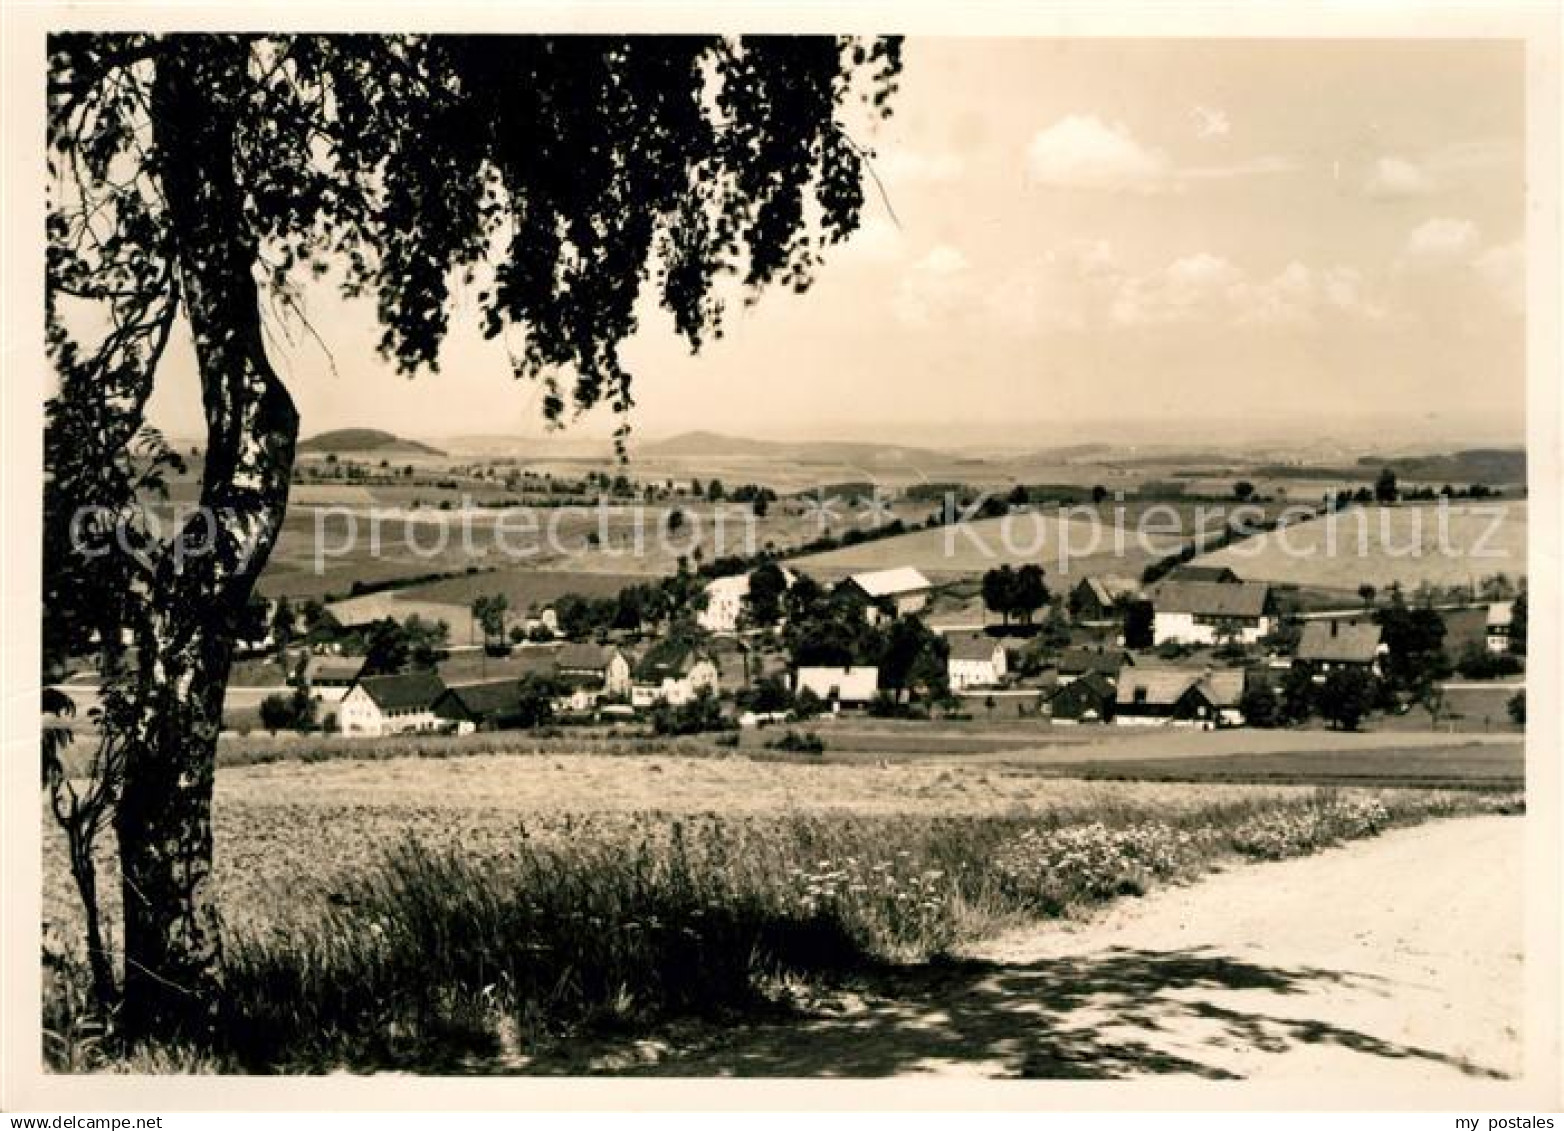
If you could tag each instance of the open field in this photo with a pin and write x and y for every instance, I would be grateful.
(1380, 545)
(1072, 548)
(465, 914)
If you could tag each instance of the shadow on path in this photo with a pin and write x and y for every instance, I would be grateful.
(1112, 1015)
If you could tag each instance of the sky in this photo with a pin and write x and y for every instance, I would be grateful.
(1074, 231)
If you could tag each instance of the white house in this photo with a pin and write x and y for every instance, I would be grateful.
(1168, 696)
(854, 686)
(599, 666)
(1209, 612)
(378, 705)
(976, 660)
(904, 588)
(1501, 617)
(725, 598)
(673, 672)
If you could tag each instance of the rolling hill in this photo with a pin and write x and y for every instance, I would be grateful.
(364, 441)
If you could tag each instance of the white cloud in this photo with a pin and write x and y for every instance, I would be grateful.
(905, 166)
(934, 288)
(877, 240)
(1299, 295)
(1210, 122)
(1395, 178)
(1082, 151)
(1194, 288)
(1442, 239)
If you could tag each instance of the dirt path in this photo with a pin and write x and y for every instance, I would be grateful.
(1389, 958)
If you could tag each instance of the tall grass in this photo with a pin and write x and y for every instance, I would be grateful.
(441, 960)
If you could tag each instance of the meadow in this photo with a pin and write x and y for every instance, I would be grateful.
(1381, 545)
(470, 914)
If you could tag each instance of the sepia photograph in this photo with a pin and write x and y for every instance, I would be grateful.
(866, 550)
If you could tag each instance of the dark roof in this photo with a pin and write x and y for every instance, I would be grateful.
(398, 692)
(1093, 660)
(1219, 574)
(1092, 692)
(972, 645)
(1108, 588)
(586, 657)
(667, 659)
(1339, 642)
(1213, 598)
(477, 701)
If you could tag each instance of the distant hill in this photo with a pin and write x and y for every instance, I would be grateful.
(716, 445)
(363, 440)
(1475, 465)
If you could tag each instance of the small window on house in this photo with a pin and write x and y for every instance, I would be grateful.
(1140, 695)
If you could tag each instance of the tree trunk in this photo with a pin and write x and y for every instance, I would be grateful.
(173, 948)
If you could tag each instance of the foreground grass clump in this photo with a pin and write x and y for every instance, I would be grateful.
(442, 958)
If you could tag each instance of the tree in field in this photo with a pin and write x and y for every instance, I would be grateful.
(1346, 697)
(1516, 706)
(489, 612)
(1015, 593)
(1366, 594)
(1260, 705)
(1385, 489)
(1243, 490)
(1139, 624)
(763, 602)
(197, 182)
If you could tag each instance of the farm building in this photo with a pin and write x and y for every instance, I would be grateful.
(493, 705)
(378, 705)
(1076, 662)
(602, 664)
(1211, 612)
(1215, 575)
(976, 660)
(1154, 696)
(1089, 699)
(855, 686)
(1501, 615)
(904, 590)
(1097, 600)
(725, 599)
(328, 677)
(672, 672)
(1327, 645)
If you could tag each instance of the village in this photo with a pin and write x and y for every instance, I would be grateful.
(1199, 648)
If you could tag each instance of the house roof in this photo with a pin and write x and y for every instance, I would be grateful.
(1340, 642)
(1165, 686)
(1091, 687)
(1073, 660)
(1108, 588)
(972, 645)
(585, 657)
(399, 692)
(667, 659)
(890, 582)
(480, 700)
(1218, 574)
(1213, 598)
(318, 668)
(849, 685)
